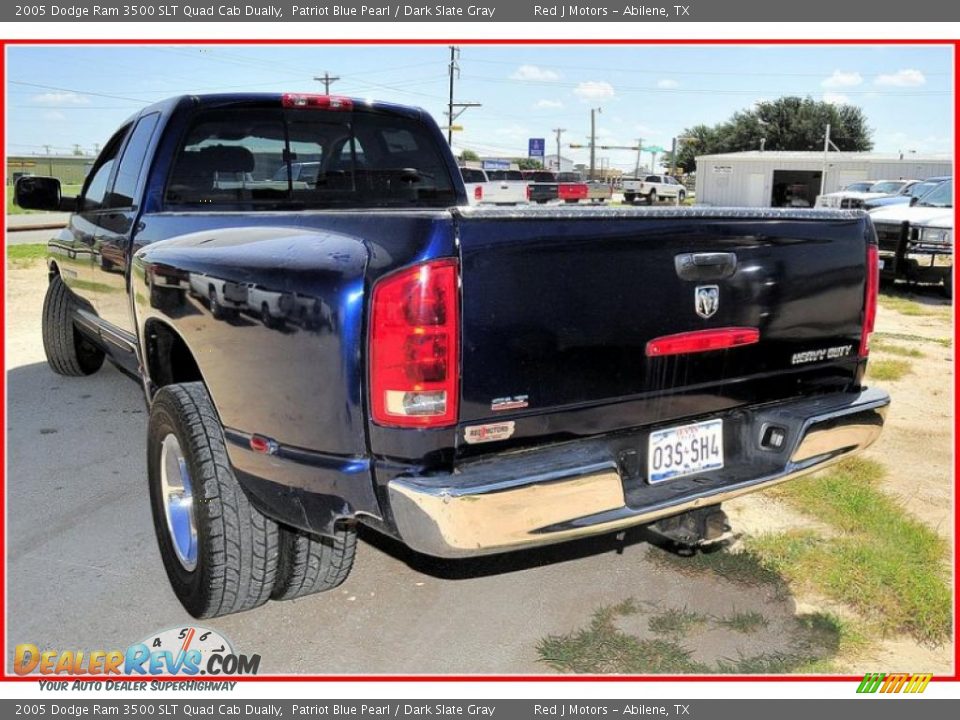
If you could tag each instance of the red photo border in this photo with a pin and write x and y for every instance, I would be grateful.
(4, 43)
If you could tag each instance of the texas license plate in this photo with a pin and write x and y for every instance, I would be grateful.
(685, 450)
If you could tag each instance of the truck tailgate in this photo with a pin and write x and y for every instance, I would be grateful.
(560, 308)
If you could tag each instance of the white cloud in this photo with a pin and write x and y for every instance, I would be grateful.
(902, 78)
(548, 104)
(841, 79)
(667, 84)
(60, 98)
(835, 98)
(594, 90)
(54, 115)
(533, 72)
(646, 130)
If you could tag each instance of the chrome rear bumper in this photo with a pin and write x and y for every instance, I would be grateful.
(547, 496)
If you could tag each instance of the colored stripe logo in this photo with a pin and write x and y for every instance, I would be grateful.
(894, 683)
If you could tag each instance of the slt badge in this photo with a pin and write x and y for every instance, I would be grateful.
(707, 299)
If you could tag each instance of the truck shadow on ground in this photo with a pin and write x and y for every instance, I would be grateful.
(504, 563)
(714, 612)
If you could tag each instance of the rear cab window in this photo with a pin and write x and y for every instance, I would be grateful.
(473, 176)
(278, 158)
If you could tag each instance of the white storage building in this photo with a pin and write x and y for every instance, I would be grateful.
(776, 179)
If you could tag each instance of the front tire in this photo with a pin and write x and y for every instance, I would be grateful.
(948, 285)
(681, 197)
(68, 351)
(652, 197)
(220, 553)
(311, 563)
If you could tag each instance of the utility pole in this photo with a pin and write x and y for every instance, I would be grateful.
(593, 138)
(454, 52)
(49, 161)
(827, 142)
(559, 132)
(327, 81)
(636, 170)
(451, 116)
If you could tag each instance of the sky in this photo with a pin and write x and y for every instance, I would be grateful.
(67, 96)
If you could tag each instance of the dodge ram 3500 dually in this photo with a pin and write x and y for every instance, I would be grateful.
(360, 346)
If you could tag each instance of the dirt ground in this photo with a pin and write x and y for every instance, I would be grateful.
(81, 542)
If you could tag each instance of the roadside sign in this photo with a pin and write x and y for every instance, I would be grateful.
(496, 164)
(535, 147)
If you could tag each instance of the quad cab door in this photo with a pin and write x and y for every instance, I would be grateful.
(115, 225)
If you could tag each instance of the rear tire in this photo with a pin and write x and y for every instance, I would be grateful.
(311, 563)
(629, 197)
(68, 351)
(229, 562)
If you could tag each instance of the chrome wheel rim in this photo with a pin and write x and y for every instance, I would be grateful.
(177, 498)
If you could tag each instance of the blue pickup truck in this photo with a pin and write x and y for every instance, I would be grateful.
(355, 345)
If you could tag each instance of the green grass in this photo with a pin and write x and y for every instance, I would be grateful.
(601, 647)
(883, 336)
(912, 308)
(33, 251)
(744, 622)
(886, 565)
(885, 346)
(675, 623)
(888, 369)
(13, 209)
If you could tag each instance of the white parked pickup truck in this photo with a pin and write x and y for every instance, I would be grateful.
(916, 240)
(852, 197)
(482, 189)
(653, 187)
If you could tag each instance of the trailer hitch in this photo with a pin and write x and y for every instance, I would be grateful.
(693, 530)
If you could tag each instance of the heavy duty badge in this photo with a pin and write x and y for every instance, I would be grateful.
(707, 300)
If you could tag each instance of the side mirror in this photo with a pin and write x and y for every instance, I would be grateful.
(41, 193)
(914, 200)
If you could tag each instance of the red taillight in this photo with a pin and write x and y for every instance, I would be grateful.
(478, 192)
(317, 102)
(528, 192)
(871, 288)
(414, 341)
(702, 341)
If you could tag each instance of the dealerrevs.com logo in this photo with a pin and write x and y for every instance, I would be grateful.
(189, 651)
(894, 683)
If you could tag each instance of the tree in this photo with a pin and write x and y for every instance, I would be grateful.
(466, 155)
(788, 123)
(528, 163)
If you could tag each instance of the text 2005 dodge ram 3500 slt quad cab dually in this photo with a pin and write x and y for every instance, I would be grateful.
(362, 347)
